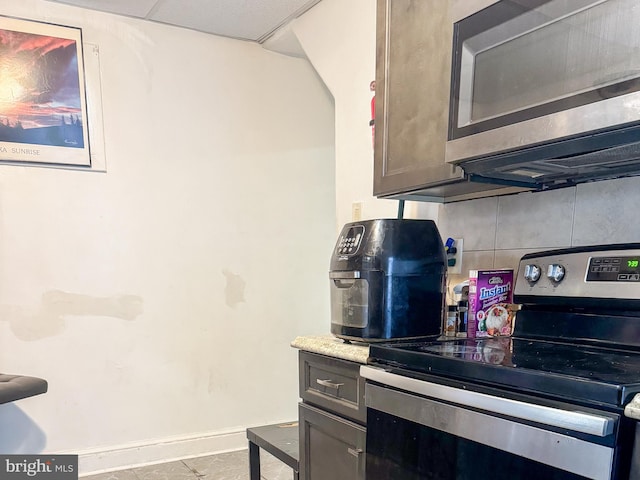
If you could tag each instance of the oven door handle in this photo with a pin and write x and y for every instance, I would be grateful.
(598, 425)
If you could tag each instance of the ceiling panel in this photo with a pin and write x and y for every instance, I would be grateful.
(248, 19)
(135, 8)
(244, 19)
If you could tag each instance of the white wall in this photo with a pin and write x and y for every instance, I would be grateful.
(159, 298)
(339, 39)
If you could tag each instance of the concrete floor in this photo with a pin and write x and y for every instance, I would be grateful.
(224, 466)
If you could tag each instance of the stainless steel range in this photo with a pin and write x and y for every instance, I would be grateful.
(547, 403)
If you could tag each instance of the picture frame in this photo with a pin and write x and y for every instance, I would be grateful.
(43, 105)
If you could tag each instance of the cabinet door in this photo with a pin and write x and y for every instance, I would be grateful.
(413, 71)
(332, 448)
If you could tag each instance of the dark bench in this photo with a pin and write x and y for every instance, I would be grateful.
(280, 440)
(16, 387)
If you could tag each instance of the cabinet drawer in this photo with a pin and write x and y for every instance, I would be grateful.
(333, 384)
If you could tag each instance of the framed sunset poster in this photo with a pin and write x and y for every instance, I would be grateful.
(43, 110)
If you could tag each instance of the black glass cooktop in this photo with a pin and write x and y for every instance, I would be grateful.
(569, 371)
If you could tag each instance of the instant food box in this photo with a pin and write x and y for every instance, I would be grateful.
(490, 303)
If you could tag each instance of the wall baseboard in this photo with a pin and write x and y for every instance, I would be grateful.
(91, 462)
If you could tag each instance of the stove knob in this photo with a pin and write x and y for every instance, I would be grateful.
(555, 272)
(532, 273)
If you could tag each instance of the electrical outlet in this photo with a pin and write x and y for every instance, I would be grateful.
(456, 269)
(356, 211)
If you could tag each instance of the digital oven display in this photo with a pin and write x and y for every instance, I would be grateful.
(614, 269)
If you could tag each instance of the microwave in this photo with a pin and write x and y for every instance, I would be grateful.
(545, 92)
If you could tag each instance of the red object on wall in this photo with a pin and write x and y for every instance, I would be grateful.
(372, 122)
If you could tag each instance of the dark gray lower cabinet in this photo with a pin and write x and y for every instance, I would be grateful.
(331, 448)
(332, 418)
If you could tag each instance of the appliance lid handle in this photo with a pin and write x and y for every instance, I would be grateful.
(592, 424)
(345, 275)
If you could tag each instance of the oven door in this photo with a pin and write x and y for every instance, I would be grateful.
(427, 430)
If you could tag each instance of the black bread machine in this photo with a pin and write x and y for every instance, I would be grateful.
(388, 280)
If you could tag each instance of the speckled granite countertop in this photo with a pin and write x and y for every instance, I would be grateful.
(632, 410)
(333, 347)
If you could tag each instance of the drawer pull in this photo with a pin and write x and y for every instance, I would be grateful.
(329, 383)
(355, 451)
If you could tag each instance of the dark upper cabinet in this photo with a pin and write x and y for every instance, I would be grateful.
(413, 70)
(412, 90)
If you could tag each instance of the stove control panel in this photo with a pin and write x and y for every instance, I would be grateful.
(614, 269)
(595, 272)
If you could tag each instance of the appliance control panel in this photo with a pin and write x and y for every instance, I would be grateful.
(592, 272)
(350, 241)
(614, 269)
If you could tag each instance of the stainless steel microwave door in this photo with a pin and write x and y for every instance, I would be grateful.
(557, 69)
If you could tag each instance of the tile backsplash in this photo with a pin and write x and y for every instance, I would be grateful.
(498, 231)
(532, 220)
